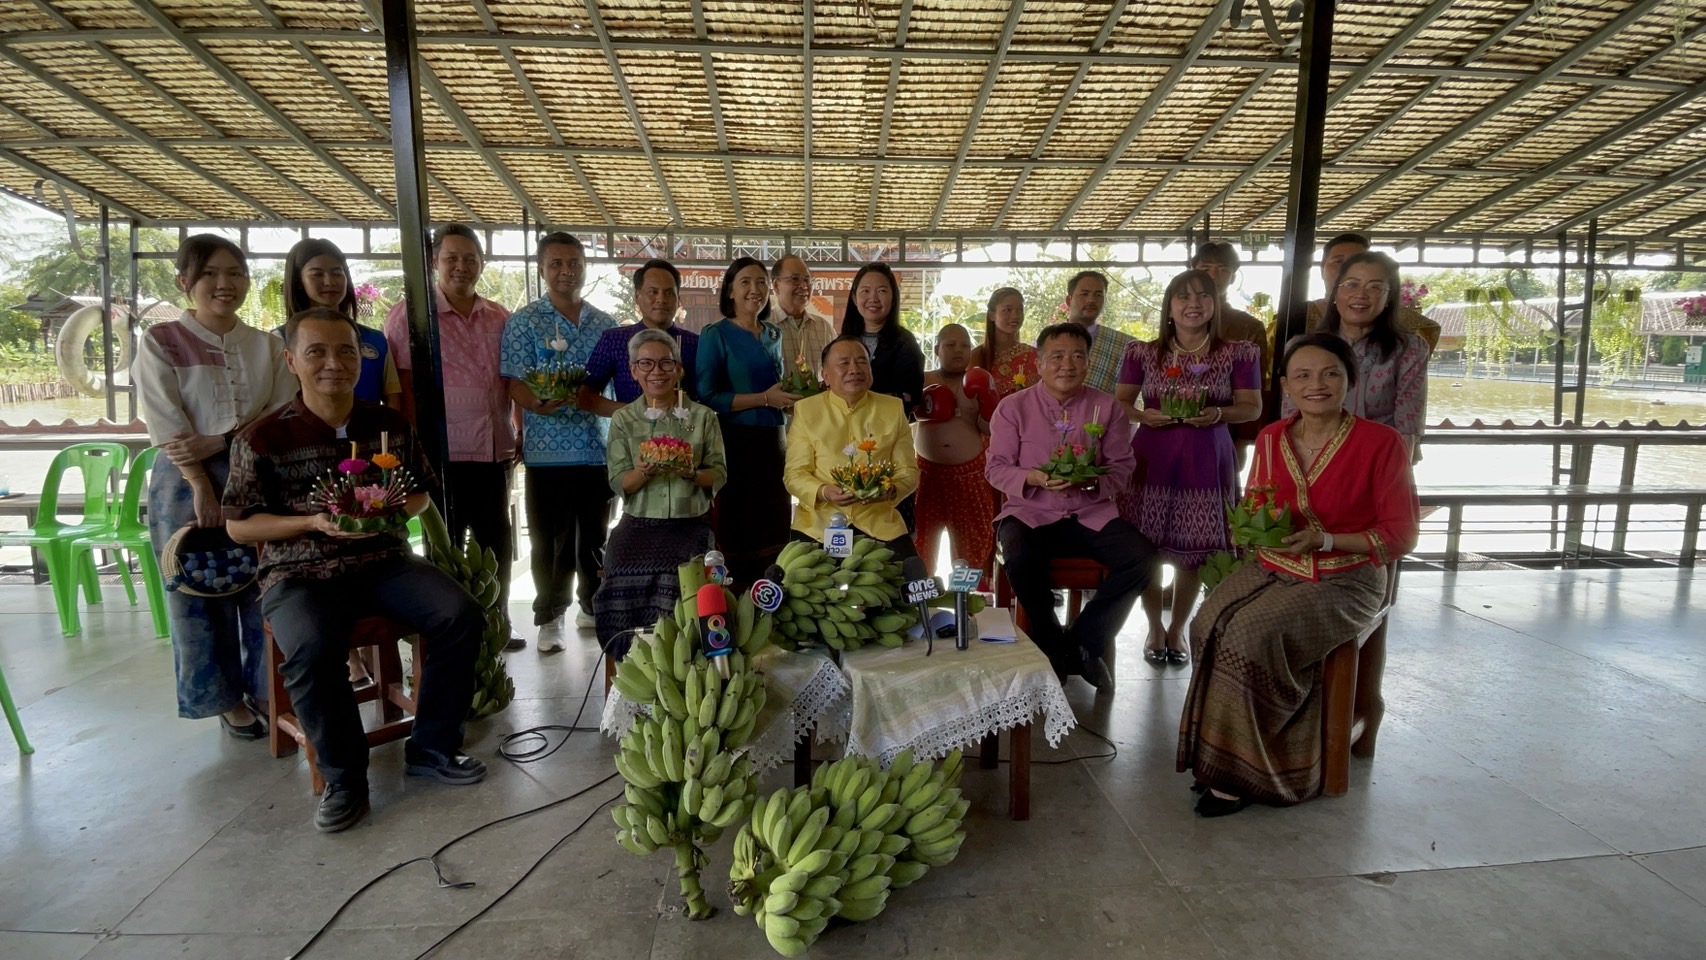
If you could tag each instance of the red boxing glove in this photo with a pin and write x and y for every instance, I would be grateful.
(980, 386)
(937, 406)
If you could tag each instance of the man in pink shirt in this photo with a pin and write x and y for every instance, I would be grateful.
(1044, 519)
(477, 411)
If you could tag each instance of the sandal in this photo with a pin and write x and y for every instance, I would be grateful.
(1177, 656)
(1155, 655)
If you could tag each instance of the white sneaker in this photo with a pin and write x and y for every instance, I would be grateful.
(551, 637)
(585, 621)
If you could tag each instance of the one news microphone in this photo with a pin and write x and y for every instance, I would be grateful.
(920, 587)
(716, 634)
(767, 591)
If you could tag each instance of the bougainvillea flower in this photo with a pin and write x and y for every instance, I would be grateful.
(353, 465)
(386, 461)
(1174, 371)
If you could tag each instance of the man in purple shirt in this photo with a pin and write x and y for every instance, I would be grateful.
(657, 286)
(1045, 518)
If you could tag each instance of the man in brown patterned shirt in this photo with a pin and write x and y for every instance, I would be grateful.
(317, 579)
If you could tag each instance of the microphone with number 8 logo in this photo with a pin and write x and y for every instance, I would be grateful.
(716, 632)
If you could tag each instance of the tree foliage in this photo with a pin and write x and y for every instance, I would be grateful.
(1495, 330)
(1615, 322)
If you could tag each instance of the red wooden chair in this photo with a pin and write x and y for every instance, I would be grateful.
(1071, 574)
(396, 703)
(1352, 706)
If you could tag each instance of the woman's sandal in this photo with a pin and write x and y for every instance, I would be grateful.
(1155, 655)
(1177, 656)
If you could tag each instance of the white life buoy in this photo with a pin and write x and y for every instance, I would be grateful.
(68, 351)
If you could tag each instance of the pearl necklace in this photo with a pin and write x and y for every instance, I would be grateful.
(1201, 348)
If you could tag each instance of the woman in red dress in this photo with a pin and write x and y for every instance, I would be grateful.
(1251, 730)
(1011, 361)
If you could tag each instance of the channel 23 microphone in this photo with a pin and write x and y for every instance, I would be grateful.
(716, 633)
(919, 588)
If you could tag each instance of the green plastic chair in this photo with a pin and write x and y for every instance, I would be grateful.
(96, 462)
(131, 533)
(12, 717)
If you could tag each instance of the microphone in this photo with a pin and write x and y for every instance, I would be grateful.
(716, 568)
(716, 635)
(838, 536)
(767, 591)
(957, 583)
(919, 588)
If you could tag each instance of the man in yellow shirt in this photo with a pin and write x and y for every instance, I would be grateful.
(849, 417)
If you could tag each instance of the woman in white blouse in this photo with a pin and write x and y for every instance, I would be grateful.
(199, 380)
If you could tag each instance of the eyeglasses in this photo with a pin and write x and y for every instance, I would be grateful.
(648, 365)
(1375, 288)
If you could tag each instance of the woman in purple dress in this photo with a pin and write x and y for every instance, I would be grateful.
(1193, 385)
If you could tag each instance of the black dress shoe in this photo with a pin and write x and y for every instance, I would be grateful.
(253, 730)
(340, 808)
(1177, 656)
(454, 768)
(1209, 805)
(516, 642)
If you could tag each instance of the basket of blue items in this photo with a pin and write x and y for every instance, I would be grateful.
(206, 562)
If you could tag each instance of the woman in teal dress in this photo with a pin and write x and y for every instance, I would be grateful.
(739, 373)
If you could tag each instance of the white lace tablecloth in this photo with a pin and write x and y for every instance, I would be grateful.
(803, 690)
(903, 700)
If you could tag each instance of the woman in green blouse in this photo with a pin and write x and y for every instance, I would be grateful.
(665, 458)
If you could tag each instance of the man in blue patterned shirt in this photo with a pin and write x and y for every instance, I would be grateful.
(568, 496)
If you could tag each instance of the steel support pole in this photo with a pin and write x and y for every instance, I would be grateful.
(401, 69)
(1314, 66)
(1581, 455)
(107, 310)
(133, 316)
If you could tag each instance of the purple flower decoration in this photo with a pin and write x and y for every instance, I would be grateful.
(1198, 369)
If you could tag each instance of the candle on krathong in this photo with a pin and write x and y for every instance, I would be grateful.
(354, 451)
(384, 441)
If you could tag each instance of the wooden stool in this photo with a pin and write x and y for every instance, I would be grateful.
(1072, 574)
(396, 705)
(1352, 706)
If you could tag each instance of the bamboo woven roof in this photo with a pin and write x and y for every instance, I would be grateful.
(1496, 118)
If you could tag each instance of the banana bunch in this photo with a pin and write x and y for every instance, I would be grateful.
(837, 847)
(844, 605)
(687, 777)
(476, 569)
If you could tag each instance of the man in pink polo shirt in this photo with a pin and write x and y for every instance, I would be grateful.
(477, 412)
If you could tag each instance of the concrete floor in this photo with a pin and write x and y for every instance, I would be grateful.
(1538, 793)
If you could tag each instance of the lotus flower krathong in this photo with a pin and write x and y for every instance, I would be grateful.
(867, 479)
(1076, 462)
(1181, 399)
(672, 453)
(801, 381)
(361, 503)
(555, 380)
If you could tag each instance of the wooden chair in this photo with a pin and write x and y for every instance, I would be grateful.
(1072, 574)
(396, 704)
(1352, 706)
